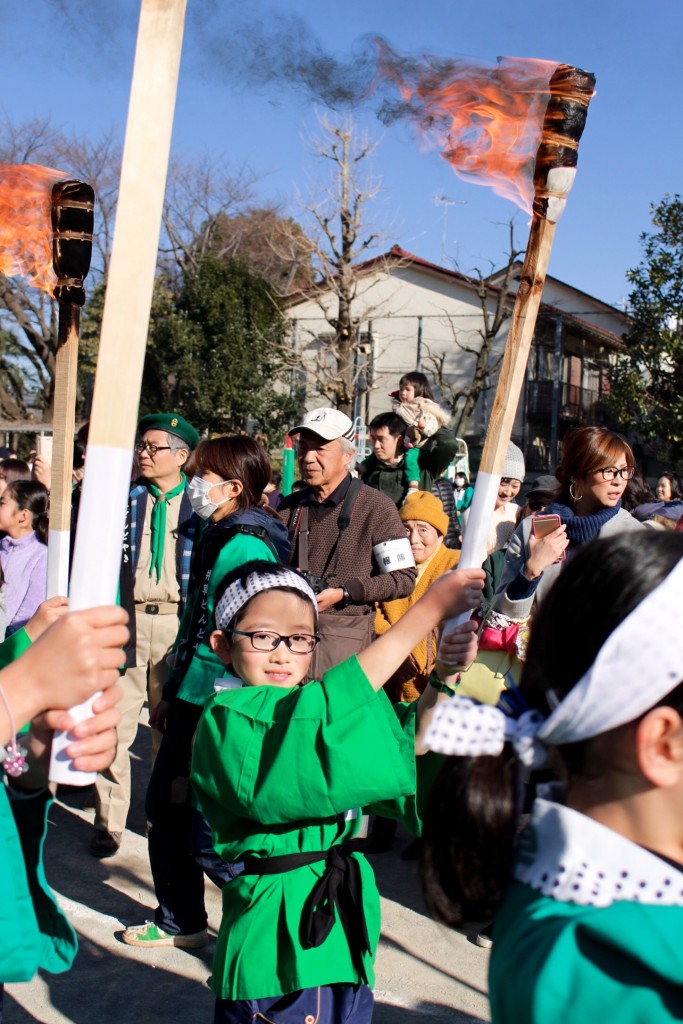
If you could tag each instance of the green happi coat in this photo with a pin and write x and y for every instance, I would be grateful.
(274, 771)
(33, 931)
(590, 931)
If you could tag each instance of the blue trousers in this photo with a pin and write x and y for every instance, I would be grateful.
(329, 1004)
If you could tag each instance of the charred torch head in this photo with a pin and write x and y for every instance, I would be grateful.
(73, 205)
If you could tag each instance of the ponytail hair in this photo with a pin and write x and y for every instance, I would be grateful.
(471, 814)
(468, 837)
(34, 497)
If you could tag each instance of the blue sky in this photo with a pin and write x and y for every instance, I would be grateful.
(72, 60)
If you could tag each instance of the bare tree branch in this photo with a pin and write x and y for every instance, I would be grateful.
(496, 302)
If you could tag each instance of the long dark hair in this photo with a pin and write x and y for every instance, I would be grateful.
(236, 457)
(33, 496)
(637, 492)
(675, 482)
(471, 814)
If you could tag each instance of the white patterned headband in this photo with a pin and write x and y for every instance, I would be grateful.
(237, 593)
(635, 668)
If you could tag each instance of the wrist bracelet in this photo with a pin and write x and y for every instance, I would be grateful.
(13, 756)
(441, 687)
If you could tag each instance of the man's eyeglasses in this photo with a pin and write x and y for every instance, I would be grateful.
(298, 643)
(611, 473)
(151, 449)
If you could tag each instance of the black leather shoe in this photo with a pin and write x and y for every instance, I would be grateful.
(104, 844)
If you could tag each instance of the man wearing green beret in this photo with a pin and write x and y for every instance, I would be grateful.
(156, 567)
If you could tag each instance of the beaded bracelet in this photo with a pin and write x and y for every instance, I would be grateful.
(13, 756)
(441, 687)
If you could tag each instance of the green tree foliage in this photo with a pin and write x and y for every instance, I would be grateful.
(217, 352)
(647, 381)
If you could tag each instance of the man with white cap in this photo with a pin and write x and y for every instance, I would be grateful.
(347, 538)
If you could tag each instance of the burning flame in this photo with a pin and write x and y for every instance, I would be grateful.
(485, 120)
(25, 223)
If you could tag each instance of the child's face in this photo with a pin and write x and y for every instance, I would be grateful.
(406, 392)
(10, 515)
(270, 612)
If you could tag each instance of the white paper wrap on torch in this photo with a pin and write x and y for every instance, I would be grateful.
(58, 548)
(473, 550)
(96, 564)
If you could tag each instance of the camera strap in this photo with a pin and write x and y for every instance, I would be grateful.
(299, 531)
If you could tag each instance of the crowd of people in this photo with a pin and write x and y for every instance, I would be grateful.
(292, 654)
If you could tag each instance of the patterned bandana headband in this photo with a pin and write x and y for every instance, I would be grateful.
(635, 668)
(237, 594)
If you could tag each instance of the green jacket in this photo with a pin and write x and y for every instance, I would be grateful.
(205, 666)
(386, 477)
(590, 929)
(566, 963)
(274, 771)
(33, 931)
(436, 455)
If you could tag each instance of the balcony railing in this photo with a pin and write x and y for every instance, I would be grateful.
(576, 405)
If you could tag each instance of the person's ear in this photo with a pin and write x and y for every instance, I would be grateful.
(181, 456)
(347, 456)
(659, 746)
(220, 645)
(234, 488)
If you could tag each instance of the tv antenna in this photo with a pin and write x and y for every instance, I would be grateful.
(441, 200)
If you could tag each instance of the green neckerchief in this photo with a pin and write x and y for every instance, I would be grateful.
(158, 522)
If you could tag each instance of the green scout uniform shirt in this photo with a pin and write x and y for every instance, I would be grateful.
(590, 930)
(33, 931)
(274, 771)
(205, 666)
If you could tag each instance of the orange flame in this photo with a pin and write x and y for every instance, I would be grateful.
(25, 223)
(485, 120)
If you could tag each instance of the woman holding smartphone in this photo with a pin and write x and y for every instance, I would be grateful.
(595, 469)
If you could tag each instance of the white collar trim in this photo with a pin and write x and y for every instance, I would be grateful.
(574, 859)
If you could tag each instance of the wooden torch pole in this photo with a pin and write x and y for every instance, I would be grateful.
(72, 223)
(570, 93)
(128, 300)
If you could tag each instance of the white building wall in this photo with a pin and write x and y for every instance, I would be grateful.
(390, 305)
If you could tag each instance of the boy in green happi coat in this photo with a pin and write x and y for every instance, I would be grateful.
(282, 769)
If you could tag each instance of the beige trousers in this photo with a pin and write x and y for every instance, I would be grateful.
(156, 635)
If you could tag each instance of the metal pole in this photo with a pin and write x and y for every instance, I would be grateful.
(557, 384)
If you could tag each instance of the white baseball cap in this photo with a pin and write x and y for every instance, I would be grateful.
(327, 423)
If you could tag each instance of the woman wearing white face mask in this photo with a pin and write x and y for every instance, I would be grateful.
(231, 473)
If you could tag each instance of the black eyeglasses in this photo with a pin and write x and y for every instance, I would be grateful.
(298, 643)
(151, 449)
(611, 473)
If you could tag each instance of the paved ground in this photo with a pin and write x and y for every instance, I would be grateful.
(422, 968)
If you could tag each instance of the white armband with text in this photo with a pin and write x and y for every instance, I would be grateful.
(392, 555)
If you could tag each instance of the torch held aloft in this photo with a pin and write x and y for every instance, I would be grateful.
(570, 93)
